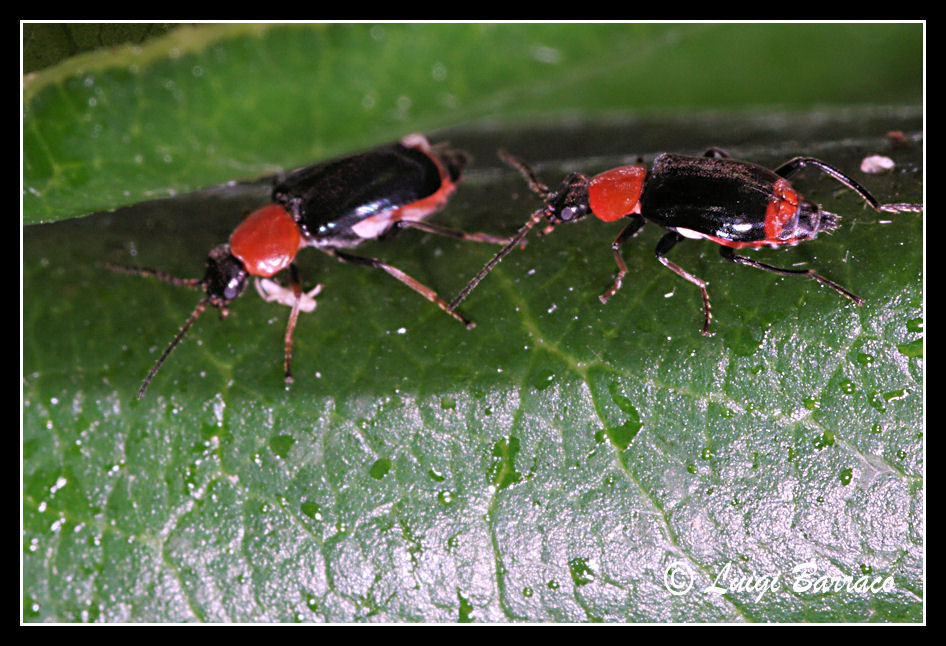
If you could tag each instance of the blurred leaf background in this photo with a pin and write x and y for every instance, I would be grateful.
(553, 464)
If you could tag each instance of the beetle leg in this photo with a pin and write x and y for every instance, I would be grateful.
(665, 245)
(730, 255)
(420, 288)
(429, 227)
(632, 229)
(293, 297)
(296, 286)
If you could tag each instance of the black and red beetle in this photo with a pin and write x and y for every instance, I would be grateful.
(735, 204)
(331, 206)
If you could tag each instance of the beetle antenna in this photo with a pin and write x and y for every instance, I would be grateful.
(900, 207)
(793, 166)
(502, 253)
(528, 174)
(193, 283)
(537, 187)
(201, 306)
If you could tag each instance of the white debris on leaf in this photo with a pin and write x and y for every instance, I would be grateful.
(876, 164)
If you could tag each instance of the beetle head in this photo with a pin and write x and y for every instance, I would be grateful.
(570, 203)
(812, 220)
(225, 277)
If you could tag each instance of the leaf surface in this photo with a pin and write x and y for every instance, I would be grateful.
(556, 463)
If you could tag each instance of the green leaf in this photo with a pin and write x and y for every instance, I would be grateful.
(548, 465)
(208, 105)
(553, 464)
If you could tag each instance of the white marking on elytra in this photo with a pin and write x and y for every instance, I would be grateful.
(689, 233)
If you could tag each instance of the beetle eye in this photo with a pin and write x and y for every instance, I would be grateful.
(225, 277)
(572, 212)
(235, 287)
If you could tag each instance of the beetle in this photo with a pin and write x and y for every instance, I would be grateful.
(735, 204)
(331, 206)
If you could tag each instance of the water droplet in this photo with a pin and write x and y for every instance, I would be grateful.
(502, 471)
(543, 379)
(281, 444)
(581, 573)
(546, 54)
(311, 510)
(465, 610)
(824, 440)
(744, 340)
(865, 359)
(60, 483)
(622, 435)
(380, 468)
(912, 349)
